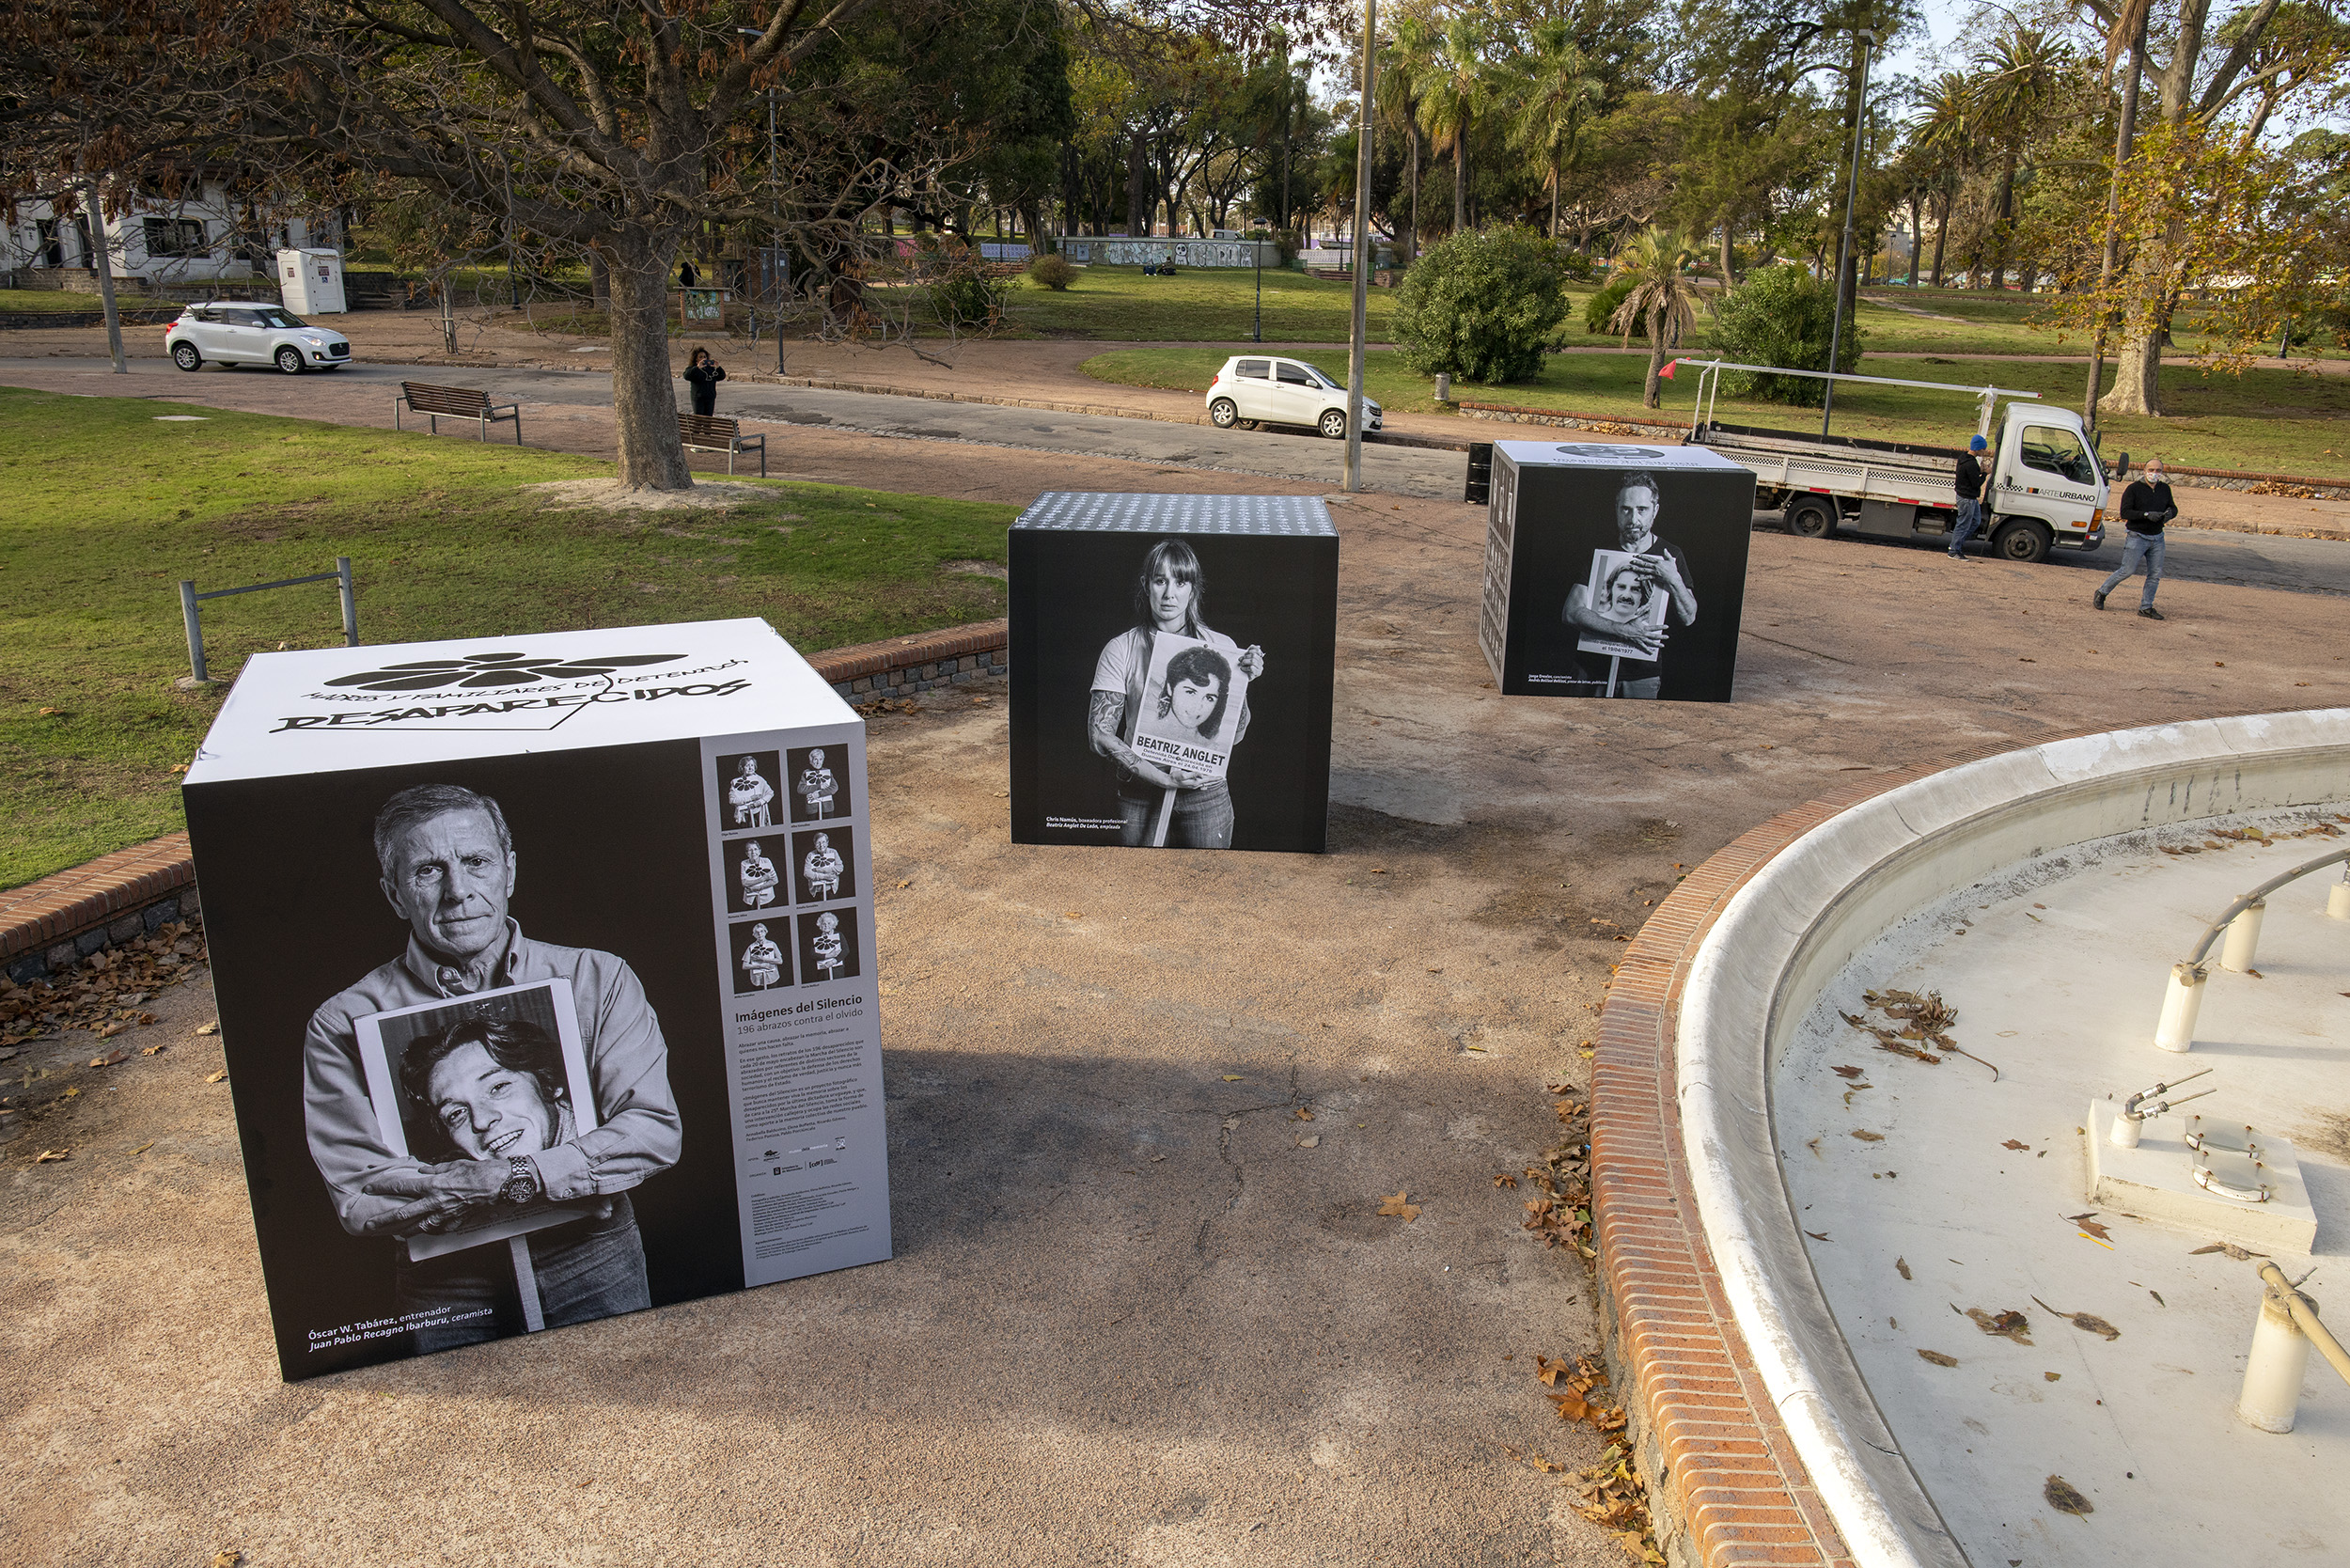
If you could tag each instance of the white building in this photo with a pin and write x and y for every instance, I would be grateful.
(203, 236)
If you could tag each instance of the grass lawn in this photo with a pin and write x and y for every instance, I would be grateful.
(1197, 305)
(2268, 422)
(108, 508)
(49, 300)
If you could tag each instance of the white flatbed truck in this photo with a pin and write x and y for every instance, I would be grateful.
(2045, 483)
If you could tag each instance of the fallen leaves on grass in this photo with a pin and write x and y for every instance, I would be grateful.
(1937, 1358)
(2000, 1325)
(2066, 1500)
(1396, 1208)
(2085, 1322)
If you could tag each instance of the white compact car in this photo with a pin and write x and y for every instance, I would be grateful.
(234, 331)
(1273, 391)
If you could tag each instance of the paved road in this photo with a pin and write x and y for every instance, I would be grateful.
(2253, 560)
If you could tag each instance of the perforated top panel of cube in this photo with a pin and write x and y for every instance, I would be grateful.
(1110, 512)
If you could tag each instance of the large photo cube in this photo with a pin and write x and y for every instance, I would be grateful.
(1615, 569)
(521, 1029)
(1171, 668)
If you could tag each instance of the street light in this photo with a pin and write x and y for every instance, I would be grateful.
(1844, 246)
(774, 223)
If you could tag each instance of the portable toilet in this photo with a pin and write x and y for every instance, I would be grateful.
(311, 282)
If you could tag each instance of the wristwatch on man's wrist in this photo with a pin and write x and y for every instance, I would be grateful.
(522, 1182)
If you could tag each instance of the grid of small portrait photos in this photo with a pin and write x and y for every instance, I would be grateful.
(791, 864)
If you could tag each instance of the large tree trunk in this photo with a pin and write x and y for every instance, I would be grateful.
(1410, 249)
(2005, 224)
(1653, 394)
(1460, 176)
(1137, 189)
(1730, 268)
(644, 395)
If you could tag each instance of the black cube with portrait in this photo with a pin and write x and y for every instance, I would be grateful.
(1172, 663)
(517, 1020)
(1615, 569)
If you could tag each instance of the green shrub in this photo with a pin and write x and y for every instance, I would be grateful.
(1781, 316)
(1052, 271)
(1480, 306)
(1600, 310)
(965, 296)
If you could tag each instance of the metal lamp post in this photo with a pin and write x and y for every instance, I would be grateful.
(1256, 330)
(1844, 246)
(1355, 351)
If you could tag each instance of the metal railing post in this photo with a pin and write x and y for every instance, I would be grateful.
(350, 603)
(195, 629)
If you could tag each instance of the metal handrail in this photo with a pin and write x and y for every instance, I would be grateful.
(2213, 932)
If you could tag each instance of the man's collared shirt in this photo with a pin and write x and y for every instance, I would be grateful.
(628, 1065)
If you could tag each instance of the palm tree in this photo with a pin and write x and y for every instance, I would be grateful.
(1396, 94)
(1556, 92)
(2009, 103)
(1662, 270)
(1945, 135)
(1452, 93)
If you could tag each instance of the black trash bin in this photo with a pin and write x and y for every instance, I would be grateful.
(1481, 472)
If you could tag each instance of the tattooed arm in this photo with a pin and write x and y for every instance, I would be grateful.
(1104, 717)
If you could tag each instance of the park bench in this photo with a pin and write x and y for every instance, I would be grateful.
(455, 402)
(703, 432)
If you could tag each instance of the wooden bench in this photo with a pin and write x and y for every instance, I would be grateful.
(455, 402)
(704, 433)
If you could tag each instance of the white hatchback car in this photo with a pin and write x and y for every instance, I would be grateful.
(1274, 391)
(236, 332)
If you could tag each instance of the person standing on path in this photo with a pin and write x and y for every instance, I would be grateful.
(2146, 506)
(1969, 484)
(703, 376)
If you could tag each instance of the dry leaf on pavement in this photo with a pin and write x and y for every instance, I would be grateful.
(2004, 1325)
(2065, 1500)
(1398, 1208)
(1902, 1265)
(2239, 1254)
(2085, 1322)
(2089, 1223)
(217, 1077)
(1849, 1072)
(1867, 1136)
(47, 1155)
(1937, 1358)
(2010, 1143)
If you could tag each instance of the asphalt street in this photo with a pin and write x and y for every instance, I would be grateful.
(2199, 555)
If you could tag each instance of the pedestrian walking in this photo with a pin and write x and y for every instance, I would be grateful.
(703, 376)
(2146, 506)
(1969, 484)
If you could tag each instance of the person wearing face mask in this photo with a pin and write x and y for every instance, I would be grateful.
(1169, 595)
(448, 868)
(2146, 506)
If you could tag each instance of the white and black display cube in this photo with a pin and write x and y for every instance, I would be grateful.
(1171, 670)
(1615, 569)
(545, 973)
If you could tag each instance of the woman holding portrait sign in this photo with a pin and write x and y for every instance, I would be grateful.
(1169, 702)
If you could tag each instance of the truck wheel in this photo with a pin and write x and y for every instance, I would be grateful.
(1810, 519)
(2022, 540)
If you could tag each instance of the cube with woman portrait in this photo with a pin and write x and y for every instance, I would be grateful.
(1172, 671)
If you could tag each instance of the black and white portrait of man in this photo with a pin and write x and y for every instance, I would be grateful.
(1621, 641)
(448, 867)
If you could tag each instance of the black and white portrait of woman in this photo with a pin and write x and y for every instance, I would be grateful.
(1173, 660)
(1171, 596)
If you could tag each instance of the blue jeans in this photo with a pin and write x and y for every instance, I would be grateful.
(587, 1268)
(2138, 550)
(1969, 519)
(1202, 819)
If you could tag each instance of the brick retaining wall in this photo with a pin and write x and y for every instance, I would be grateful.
(49, 926)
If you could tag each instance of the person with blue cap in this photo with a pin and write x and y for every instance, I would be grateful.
(1970, 482)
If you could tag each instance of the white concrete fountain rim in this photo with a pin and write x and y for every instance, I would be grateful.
(1799, 919)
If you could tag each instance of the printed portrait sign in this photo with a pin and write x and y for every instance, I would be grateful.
(1615, 569)
(517, 1013)
(498, 1074)
(1173, 671)
(1192, 699)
